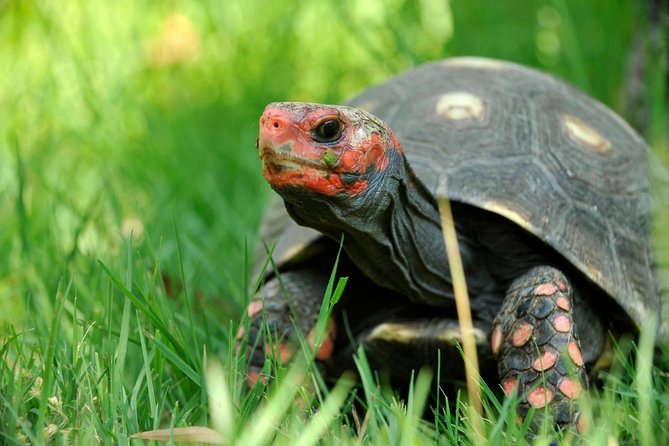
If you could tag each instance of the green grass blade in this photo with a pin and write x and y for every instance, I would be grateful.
(48, 373)
(265, 420)
(175, 359)
(327, 413)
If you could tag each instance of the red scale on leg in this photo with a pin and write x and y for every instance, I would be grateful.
(496, 340)
(285, 352)
(254, 308)
(581, 424)
(563, 303)
(539, 309)
(545, 361)
(562, 323)
(327, 345)
(521, 334)
(545, 289)
(575, 353)
(325, 350)
(539, 397)
(253, 376)
(570, 387)
(510, 386)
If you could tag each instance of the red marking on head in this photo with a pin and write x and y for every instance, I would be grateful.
(496, 340)
(521, 334)
(254, 308)
(570, 387)
(563, 302)
(562, 286)
(575, 353)
(335, 180)
(357, 188)
(349, 161)
(293, 155)
(545, 289)
(545, 361)
(395, 143)
(370, 152)
(240, 333)
(562, 323)
(510, 386)
(539, 397)
(375, 153)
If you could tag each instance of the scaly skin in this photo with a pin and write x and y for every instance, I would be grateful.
(294, 300)
(536, 342)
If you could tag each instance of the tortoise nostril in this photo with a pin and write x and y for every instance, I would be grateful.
(275, 121)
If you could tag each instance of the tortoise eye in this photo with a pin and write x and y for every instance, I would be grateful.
(328, 131)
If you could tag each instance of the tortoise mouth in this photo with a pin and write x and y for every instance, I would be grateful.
(283, 159)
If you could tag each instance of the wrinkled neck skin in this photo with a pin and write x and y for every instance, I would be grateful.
(392, 231)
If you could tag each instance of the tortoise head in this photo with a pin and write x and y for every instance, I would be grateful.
(341, 171)
(334, 151)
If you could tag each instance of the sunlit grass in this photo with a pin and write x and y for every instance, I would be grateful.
(127, 155)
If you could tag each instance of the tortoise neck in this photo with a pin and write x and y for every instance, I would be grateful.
(415, 235)
(392, 232)
(400, 245)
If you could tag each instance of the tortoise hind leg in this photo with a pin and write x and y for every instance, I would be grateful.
(535, 341)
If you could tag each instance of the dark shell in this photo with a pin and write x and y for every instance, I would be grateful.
(535, 150)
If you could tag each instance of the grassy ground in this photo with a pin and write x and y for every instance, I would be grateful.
(127, 151)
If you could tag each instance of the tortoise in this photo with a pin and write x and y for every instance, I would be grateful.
(551, 202)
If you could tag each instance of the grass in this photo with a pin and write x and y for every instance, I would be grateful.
(127, 153)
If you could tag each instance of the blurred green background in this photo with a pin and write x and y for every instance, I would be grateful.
(141, 116)
(127, 128)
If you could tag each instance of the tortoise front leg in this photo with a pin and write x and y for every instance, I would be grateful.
(293, 300)
(535, 341)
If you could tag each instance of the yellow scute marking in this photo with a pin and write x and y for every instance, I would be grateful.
(410, 332)
(460, 105)
(585, 135)
(511, 214)
(594, 273)
(477, 62)
(292, 252)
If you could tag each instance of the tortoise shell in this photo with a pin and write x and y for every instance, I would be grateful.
(529, 147)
